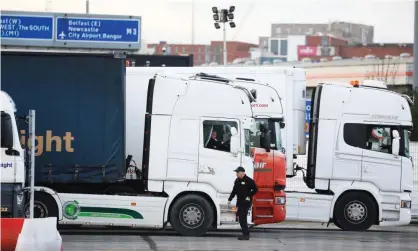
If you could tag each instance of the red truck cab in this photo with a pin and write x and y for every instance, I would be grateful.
(269, 172)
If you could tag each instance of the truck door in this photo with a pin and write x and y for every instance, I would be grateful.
(8, 164)
(216, 162)
(379, 166)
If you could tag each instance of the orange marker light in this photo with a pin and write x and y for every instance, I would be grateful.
(355, 83)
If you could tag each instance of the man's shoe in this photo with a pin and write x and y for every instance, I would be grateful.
(244, 238)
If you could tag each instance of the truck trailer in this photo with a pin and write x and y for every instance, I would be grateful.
(354, 197)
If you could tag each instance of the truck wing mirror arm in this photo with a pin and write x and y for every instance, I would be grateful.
(12, 152)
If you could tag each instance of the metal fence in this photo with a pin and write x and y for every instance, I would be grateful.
(297, 184)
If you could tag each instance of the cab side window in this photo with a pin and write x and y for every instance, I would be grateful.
(370, 137)
(6, 130)
(217, 134)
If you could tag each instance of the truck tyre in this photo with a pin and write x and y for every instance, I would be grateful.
(191, 215)
(44, 206)
(355, 211)
(336, 224)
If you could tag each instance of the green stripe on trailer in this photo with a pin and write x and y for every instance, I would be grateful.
(104, 212)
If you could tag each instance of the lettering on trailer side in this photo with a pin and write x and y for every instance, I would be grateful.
(259, 105)
(389, 117)
(46, 143)
(6, 164)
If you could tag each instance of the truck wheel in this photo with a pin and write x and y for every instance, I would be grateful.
(355, 212)
(336, 224)
(44, 206)
(191, 215)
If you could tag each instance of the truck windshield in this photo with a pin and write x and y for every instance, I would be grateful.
(262, 126)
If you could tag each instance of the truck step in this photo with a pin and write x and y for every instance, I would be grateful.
(264, 216)
(229, 223)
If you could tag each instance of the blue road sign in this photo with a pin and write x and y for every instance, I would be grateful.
(307, 116)
(26, 27)
(93, 30)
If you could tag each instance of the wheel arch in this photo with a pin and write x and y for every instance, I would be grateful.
(368, 193)
(51, 193)
(199, 193)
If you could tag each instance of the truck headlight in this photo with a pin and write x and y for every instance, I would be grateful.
(280, 200)
(405, 204)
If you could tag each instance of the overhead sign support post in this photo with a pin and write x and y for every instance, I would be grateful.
(72, 31)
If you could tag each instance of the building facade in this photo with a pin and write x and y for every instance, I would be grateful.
(206, 54)
(351, 32)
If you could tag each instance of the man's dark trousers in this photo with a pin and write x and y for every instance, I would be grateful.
(243, 207)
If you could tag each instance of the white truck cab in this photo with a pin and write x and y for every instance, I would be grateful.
(12, 161)
(181, 181)
(358, 158)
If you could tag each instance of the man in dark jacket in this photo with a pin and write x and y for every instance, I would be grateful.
(245, 188)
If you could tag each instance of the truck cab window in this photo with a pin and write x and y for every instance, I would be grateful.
(6, 130)
(217, 134)
(263, 126)
(380, 139)
(278, 134)
(372, 137)
(405, 134)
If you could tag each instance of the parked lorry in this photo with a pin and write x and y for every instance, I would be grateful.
(182, 182)
(267, 154)
(355, 186)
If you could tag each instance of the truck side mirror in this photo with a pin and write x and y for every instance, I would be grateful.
(282, 125)
(235, 141)
(395, 142)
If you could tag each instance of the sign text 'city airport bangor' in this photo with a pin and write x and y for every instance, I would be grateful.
(70, 30)
(97, 30)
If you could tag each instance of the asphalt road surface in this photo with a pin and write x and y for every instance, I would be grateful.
(287, 238)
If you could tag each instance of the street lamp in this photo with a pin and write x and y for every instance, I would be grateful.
(224, 16)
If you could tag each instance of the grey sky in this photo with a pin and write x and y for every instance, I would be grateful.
(170, 20)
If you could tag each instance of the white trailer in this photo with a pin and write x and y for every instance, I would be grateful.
(355, 187)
